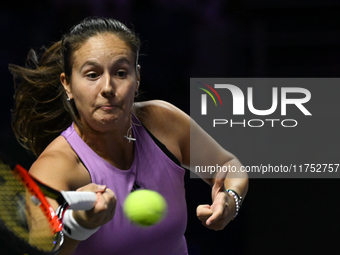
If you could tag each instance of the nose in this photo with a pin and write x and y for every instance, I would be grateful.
(108, 88)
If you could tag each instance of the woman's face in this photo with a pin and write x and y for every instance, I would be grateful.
(103, 81)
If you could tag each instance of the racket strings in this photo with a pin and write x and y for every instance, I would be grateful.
(12, 196)
(20, 215)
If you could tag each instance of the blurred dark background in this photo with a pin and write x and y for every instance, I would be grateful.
(208, 38)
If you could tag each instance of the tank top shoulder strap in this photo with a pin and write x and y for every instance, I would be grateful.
(157, 142)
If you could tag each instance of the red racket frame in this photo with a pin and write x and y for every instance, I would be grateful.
(53, 219)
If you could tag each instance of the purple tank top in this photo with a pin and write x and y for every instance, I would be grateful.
(151, 169)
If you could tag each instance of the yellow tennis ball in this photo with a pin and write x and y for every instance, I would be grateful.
(145, 207)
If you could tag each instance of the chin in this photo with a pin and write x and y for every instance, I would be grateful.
(108, 121)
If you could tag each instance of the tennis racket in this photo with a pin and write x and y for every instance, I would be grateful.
(28, 224)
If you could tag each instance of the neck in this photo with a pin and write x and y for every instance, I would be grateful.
(116, 146)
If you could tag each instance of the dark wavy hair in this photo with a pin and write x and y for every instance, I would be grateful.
(41, 110)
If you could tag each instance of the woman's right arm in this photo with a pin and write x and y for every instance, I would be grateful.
(59, 167)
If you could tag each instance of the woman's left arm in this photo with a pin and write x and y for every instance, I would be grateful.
(206, 158)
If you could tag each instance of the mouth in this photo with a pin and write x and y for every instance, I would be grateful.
(107, 107)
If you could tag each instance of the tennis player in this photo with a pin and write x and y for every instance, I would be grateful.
(75, 110)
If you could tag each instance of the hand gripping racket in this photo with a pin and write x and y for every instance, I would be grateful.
(28, 224)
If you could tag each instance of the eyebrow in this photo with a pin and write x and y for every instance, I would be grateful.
(94, 63)
(122, 60)
(88, 63)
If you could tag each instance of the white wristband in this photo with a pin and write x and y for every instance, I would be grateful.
(73, 230)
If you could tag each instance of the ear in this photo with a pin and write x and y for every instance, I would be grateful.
(138, 75)
(66, 84)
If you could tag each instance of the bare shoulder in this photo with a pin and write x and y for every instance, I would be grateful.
(167, 123)
(160, 113)
(59, 167)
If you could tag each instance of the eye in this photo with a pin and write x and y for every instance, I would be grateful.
(121, 74)
(92, 75)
